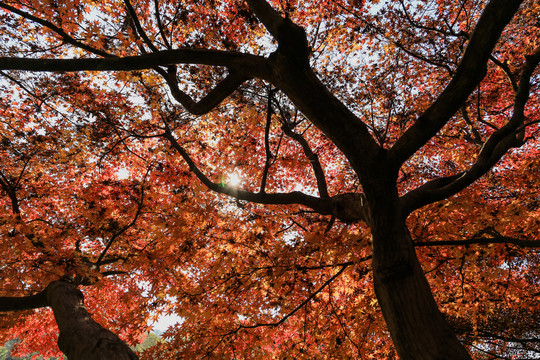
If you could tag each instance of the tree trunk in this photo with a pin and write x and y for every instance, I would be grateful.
(81, 338)
(417, 327)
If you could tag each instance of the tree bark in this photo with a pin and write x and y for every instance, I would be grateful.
(81, 338)
(417, 327)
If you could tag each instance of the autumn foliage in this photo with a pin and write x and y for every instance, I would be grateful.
(123, 125)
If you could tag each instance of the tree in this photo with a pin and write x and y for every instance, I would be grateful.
(399, 139)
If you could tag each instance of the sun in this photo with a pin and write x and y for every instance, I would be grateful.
(234, 180)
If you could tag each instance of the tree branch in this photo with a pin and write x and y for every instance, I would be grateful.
(118, 233)
(476, 137)
(417, 25)
(482, 240)
(506, 69)
(246, 64)
(301, 305)
(219, 93)
(10, 189)
(160, 25)
(138, 27)
(423, 58)
(498, 144)
(10, 303)
(65, 36)
(296, 197)
(268, 152)
(313, 158)
(291, 38)
(471, 70)
(271, 19)
(349, 207)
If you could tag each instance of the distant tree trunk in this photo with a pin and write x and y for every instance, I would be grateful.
(417, 327)
(81, 338)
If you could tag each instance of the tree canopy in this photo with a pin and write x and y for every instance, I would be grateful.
(294, 179)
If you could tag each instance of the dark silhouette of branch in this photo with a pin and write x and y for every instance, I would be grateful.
(476, 137)
(295, 197)
(10, 190)
(481, 240)
(268, 152)
(291, 313)
(160, 25)
(118, 233)
(312, 157)
(137, 24)
(343, 326)
(494, 148)
(270, 18)
(65, 36)
(349, 207)
(220, 92)
(471, 70)
(509, 74)
(11, 303)
(243, 63)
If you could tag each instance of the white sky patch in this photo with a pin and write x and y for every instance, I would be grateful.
(165, 321)
(123, 174)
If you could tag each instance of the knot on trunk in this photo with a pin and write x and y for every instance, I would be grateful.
(293, 43)
(350, 207)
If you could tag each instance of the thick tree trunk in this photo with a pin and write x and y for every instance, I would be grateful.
(81, 338)
(417, 327)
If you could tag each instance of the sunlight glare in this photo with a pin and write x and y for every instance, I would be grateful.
(234, 180)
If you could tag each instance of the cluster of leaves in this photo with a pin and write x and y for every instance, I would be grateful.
(95, 182)
(5, 353)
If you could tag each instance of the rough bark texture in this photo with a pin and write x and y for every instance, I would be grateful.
(418, 329)
(81, 338)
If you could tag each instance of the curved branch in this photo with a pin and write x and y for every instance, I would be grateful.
(160, 25)
(349, 207)
(117, 234)
(423, 58)
(476, 137)
(296, 197)
(471, 70)
(312, 157)
(506, 69)
(418, 25)
(219, 93)
(494, 148)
